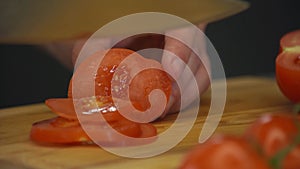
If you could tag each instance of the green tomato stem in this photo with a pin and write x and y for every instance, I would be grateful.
(277, 160)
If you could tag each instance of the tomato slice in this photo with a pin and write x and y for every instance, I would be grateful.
(64, 107)
(274, 133)
(148, 130)
(148, 135)
(67, 118)
(224, 152)
(288, 66)
(59, 130)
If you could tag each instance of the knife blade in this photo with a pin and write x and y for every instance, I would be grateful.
(36, 22)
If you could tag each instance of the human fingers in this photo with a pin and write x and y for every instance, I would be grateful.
(188, 93)
(141, 41)
(189, 62)
(94, 45)
(178, 48)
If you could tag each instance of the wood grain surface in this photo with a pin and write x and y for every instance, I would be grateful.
(247, 99)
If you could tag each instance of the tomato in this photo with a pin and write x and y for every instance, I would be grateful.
(67, 129)
(224, 152)
(144, 83)
(288, 66)
(148, 130)
(58, 131)
(274, 133)
(139, 88)
(105, 70)
(64, 107)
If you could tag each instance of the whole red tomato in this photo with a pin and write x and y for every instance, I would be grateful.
(288, 66)
(224, 152)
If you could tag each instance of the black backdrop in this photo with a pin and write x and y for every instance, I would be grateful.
(247, 44)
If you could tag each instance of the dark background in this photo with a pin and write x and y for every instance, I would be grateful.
(247, 44)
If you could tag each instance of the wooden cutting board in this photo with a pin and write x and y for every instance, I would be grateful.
(247, 99)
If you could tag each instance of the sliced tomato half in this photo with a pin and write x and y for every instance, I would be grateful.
(288, 66)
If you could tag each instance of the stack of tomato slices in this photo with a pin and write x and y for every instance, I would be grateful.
(99, 113)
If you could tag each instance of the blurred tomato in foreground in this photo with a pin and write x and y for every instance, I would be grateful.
(272, 141)
(277, 136)
(224, 152)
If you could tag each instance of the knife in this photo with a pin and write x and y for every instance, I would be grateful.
(37, 22)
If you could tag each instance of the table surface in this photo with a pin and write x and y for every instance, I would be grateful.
(247, 99)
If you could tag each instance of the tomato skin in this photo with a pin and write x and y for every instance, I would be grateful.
(224, 152)
(288, 66)
(273, 133)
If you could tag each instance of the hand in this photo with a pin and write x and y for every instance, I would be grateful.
(190, 61)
